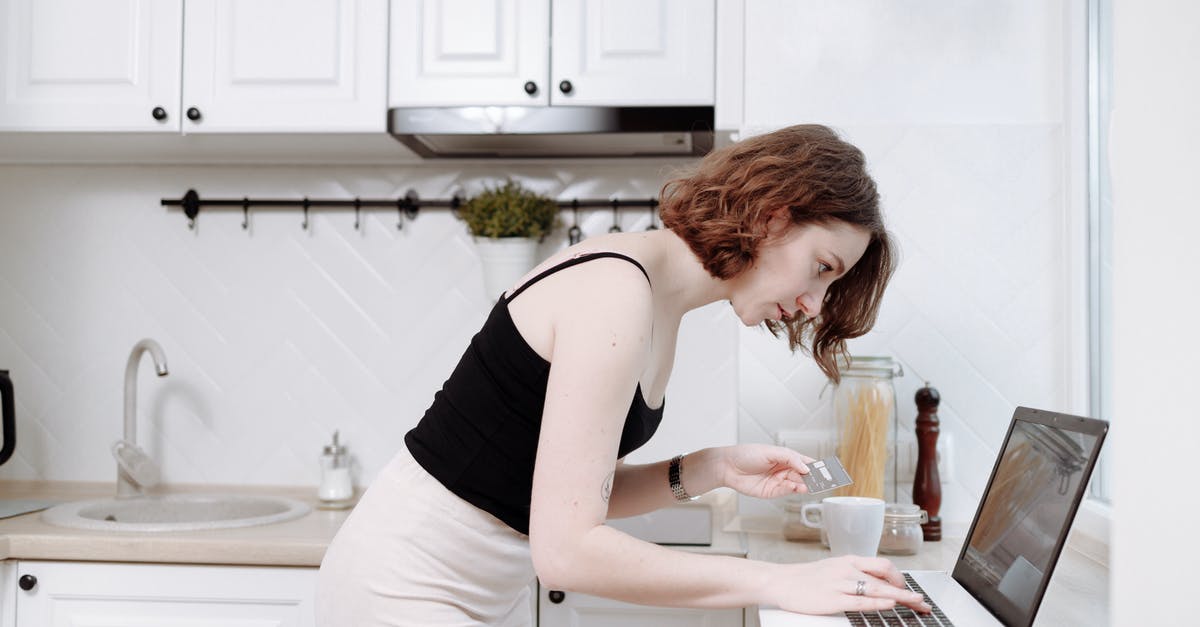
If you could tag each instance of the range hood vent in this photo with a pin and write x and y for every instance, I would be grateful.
(554, 132)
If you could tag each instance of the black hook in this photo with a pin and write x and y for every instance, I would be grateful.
(306, 205)
(575, 234)
(191, 207)
(407, 205)
(412, 204)
(653, 214)
(357, 208)
(245, 213)
(616, 227)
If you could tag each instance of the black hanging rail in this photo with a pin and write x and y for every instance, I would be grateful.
(407, 205)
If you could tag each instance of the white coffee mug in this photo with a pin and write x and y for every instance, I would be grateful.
(854, 524)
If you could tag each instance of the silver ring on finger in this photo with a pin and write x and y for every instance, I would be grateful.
(860, 588)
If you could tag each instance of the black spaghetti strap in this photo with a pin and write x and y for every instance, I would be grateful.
(573, 262)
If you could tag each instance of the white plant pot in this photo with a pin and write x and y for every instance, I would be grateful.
(505, 260)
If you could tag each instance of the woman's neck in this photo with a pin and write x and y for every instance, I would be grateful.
(680, 281)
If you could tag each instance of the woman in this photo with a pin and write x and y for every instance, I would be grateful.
(516, 466)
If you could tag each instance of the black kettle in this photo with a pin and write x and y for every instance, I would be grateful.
(10, 417)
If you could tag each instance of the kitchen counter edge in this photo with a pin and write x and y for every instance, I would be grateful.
(299, 543)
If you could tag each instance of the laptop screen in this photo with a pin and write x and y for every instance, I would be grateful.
(1026, 512)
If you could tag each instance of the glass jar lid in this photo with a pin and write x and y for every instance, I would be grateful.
(882, 367)
(333, 448)
(903, 512)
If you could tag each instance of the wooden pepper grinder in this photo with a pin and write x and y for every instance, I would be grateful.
(927, 485)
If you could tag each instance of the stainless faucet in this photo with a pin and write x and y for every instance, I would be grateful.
(135, 469)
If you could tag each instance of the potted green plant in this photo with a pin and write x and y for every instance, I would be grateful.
(507, 222)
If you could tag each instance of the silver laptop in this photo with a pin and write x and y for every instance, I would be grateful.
(1015, 539)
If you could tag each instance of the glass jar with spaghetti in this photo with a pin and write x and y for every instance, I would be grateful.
(864, 408)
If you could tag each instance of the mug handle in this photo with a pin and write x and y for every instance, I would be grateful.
(809, 507)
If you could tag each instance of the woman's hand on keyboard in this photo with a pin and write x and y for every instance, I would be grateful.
(830, 586)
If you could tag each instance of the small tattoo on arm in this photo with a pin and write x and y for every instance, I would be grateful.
(606, 489)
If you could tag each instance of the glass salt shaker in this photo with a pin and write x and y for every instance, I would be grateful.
(336, 487)
(902, 533)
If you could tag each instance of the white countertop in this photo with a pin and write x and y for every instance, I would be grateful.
(300, 542)
(1078, 592)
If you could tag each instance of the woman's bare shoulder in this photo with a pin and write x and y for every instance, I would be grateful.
(602, 294)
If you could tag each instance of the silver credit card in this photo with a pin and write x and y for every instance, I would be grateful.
(825, 475)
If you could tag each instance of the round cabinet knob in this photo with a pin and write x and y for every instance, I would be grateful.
(193, 114)
(159, 113)
(530, 87)
(566, 87)
(27, 582)
(556, 596)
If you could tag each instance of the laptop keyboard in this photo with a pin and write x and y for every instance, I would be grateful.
(901, 615)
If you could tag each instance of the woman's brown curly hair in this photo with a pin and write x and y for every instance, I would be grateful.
(722, 208)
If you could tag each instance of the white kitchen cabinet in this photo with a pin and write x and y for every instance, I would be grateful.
(285, 66)
(78, 594)
(633, 52)
(573, 609)
(466, 52)
(204, 66)
(83, 66)
(8, 594)
(559, 52)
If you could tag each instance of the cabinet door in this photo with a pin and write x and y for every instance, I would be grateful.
(285, 66)
(469, 52)
(633, 52)
(76, 594)
(8, 593)
(573, 609)
(90, 65)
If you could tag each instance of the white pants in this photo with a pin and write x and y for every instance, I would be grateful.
(414, 553)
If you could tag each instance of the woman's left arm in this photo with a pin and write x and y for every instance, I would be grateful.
(758, 470)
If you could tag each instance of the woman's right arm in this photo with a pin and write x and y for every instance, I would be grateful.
(600, 348)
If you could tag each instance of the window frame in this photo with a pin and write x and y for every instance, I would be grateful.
(1099, 17)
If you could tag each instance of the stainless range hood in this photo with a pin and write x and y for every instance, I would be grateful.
(555, 132)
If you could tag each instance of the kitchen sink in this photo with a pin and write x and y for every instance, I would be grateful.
(177, 512)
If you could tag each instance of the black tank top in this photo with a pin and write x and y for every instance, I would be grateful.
(479, 438)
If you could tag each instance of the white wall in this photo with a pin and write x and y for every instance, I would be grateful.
(1156, 425)
(278, 336)
(970, 115)
(274, 336)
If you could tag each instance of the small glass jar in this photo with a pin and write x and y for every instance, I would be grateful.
(902, 533)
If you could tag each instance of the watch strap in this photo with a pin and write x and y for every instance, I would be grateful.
(674, 471)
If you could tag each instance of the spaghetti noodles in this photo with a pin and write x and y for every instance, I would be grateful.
(863, 448)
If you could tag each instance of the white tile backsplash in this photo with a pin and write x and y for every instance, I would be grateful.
(978, 304)
(276, 336)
